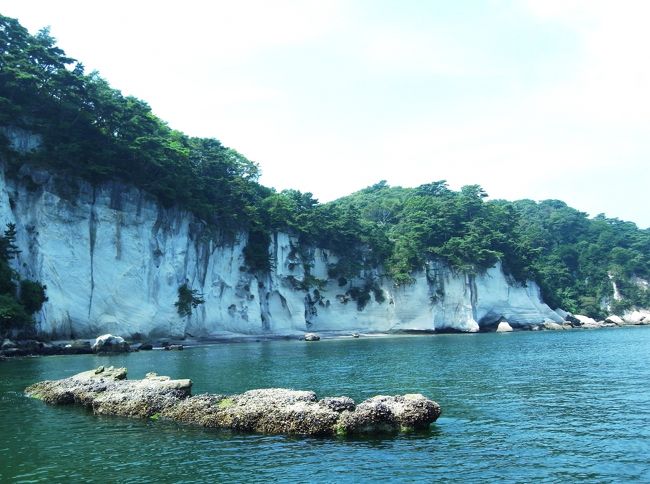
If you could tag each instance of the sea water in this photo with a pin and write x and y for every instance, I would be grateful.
(527, 406)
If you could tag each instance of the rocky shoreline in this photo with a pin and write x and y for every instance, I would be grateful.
(109, 344)
(637, 318)
(106, 391)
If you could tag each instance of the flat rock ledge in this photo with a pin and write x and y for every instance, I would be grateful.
(106, 391)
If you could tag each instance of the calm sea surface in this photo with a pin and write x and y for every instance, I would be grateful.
(550, 406)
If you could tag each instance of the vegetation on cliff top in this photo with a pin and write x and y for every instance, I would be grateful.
(91, 130)
(19, 298)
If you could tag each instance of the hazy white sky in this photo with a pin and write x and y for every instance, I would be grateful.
(528, 98)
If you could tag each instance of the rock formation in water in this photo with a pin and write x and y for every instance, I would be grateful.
(113, 259)
(273, 411)
(108, 344)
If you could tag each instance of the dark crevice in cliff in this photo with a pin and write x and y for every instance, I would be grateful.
(92, 237)
(118, 235)
(264, 294)
(203, 254)
(473, 291)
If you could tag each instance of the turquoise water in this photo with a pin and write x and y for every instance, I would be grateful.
(550, 406)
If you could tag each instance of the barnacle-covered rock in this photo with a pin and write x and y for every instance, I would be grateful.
(106, 391)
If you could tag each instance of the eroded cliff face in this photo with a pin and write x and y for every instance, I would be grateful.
(113, 259)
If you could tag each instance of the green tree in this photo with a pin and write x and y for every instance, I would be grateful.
(16, 306)
(32, 295)
(13, 315)
(91, 130)
(8, 247)
(188, 299)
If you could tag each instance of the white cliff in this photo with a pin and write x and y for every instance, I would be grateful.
(113, 259)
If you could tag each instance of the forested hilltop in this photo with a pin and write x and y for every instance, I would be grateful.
(91, 130)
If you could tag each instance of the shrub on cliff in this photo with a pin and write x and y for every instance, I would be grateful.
(16, 305)
(188, 299)
(13, 314)
(32, 295)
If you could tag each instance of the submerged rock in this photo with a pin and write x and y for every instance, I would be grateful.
(30, 347)
(273, 411)
(77, 347)
(173, 347)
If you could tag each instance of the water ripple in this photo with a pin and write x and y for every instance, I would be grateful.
(549, 407)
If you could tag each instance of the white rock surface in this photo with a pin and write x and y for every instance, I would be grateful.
(504, 327)
(109, 341)
(21, 140)
(562, 313)
(637, 317)
(617, 320)
(113, 259)
(587, 322)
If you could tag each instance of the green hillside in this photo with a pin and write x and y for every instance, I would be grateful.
(91, 130)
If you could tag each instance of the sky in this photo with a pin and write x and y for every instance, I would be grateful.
(539, 99)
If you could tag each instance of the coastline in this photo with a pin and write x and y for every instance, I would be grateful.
(42, 347)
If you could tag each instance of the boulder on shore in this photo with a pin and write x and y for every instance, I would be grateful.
(107, 343)
(77, 347)
(173, 347)
(504, 327)
(587, 322)
(572, 321)
(613, 319)
(274, 410)
(7, 344)
(637, 317)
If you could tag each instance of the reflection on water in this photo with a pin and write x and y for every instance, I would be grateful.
(557, 406)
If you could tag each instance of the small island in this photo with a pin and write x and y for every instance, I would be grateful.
(106, 391)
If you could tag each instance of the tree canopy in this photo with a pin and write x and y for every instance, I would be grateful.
(90, 129)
